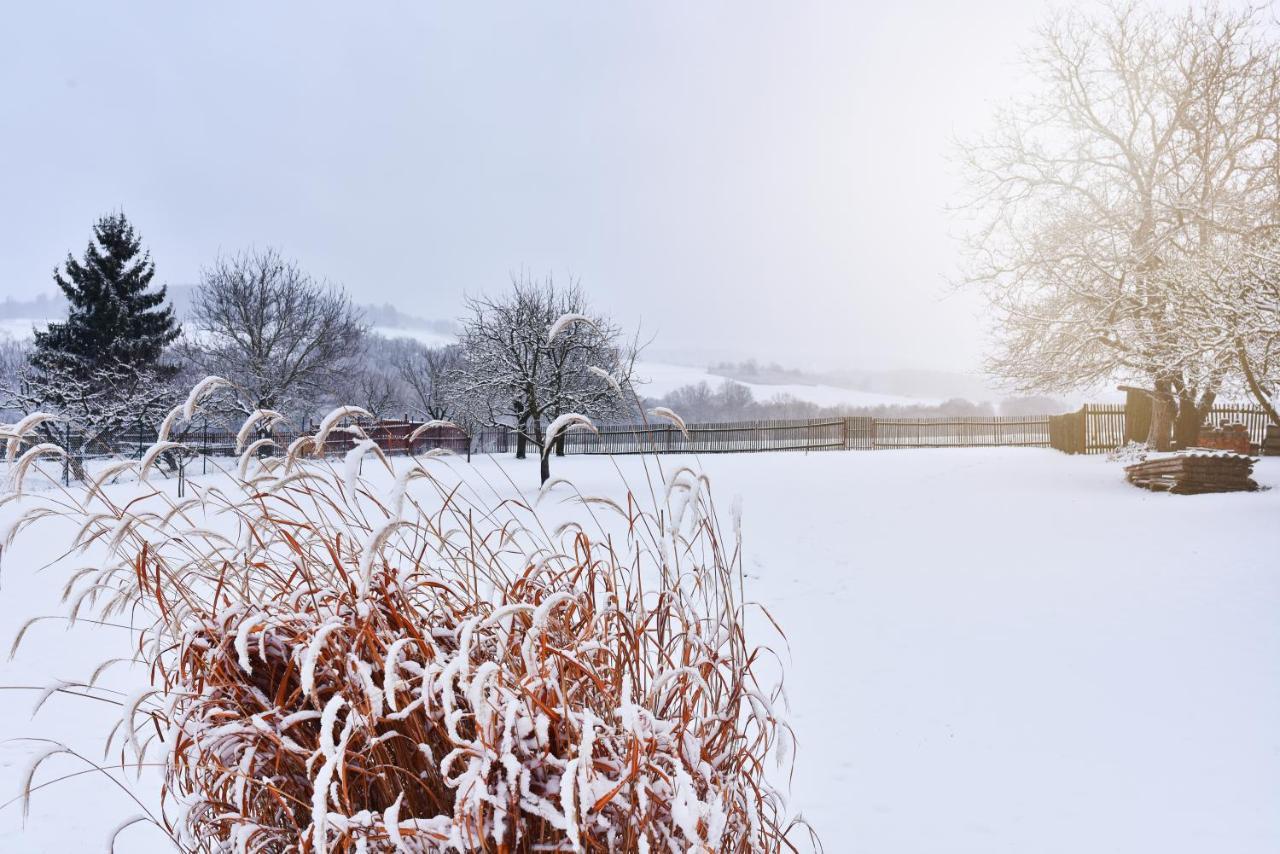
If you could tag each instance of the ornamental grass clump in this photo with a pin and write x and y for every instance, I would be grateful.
(403, 660)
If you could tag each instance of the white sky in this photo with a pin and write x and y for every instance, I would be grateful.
(747, 178)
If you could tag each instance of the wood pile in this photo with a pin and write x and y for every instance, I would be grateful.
(1228, 436)
(1193, 472)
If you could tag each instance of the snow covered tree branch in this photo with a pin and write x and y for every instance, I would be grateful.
(1152, 139)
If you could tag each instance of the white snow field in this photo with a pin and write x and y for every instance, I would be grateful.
(995, 651)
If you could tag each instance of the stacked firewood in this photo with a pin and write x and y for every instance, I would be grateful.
(1194, 471)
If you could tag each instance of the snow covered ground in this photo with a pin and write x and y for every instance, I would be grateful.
(993, 651)
(660, 378)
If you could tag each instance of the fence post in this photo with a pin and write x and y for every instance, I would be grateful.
(1084, 428)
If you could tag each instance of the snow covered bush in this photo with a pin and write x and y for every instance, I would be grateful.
(401, 661)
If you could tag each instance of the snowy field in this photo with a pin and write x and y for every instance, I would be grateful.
(993, 651)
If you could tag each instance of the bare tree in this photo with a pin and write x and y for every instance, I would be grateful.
(93, 407)
(1150, 138)
(425, 372)
(512, 374)
(281, 337)
(1236, 289)
(1256, 324)
(14, 357)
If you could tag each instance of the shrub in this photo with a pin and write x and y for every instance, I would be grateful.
(409, 662)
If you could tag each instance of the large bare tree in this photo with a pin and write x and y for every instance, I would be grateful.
(1147, 139)
(512, 372)
(283, 338)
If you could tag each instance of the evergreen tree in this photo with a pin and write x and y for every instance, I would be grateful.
(99, 371)
(114, 320)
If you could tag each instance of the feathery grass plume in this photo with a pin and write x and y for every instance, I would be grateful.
(20, 432)
(664, 412)
(153, 453)
(297, 448)
(562, 423)
(429, 668)
(267, 417)
(29, 458)
(564, 321)
(330, 422)
(166, 426)
(429, 425)
(249, 454)
(606, 376)
(199, 392)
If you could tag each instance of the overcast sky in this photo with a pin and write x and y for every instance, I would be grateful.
(745, 178)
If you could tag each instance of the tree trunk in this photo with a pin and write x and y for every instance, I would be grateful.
(522, 437)
(1255, 387)
(560, 444)
(1191, 416)
(1161, 436)
(544, 451)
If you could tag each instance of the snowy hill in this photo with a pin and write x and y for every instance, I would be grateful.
(661, 378)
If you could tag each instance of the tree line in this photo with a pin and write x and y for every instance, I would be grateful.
(290, 343)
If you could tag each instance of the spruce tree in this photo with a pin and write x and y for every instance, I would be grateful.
(114, 320)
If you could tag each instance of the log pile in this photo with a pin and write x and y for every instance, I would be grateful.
(1193, 472)
(1228, 436)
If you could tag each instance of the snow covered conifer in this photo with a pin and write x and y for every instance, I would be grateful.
(114, 317)
(101, 370)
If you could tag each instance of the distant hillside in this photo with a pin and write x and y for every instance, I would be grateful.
(53, 307)
(42, 307)
(921, 384)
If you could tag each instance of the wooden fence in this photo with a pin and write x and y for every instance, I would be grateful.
(813, 435)
(1100, 428)
(712, 437)
(1094, 428)
(969, 432)
(391, 436)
